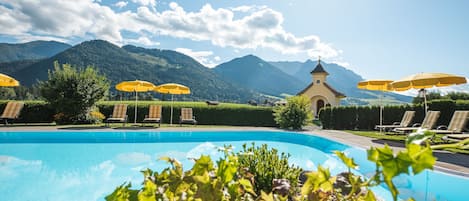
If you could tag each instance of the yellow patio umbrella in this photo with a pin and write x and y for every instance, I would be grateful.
(377, 85)
(7, 81)
(425, 81)
(135, 86)
(172, 88)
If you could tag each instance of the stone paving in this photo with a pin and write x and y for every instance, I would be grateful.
(447, 161)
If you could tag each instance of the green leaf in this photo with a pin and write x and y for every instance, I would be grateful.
(267, 197)
(370, 196)
(148, 192)
(346, 160)
(247, 186)
(423, 158)
(121, 193)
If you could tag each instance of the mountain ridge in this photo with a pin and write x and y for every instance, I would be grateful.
(239, 79)
(11, 52)
(252, 72)
(131, 63)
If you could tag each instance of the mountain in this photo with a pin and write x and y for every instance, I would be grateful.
(289, 67)
(340, 78)
(254, 73)
(131, 63)
(30, 50)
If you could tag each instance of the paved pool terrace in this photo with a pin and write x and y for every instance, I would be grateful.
(447, 162)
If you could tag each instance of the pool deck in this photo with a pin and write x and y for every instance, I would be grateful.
(447, 161)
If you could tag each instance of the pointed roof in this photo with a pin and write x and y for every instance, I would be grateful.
(335, 92)
(319, 68)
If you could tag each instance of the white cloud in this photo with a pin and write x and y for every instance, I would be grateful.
(256, 27)
(242, 8)
(202, 57)
(151, 3)
(143, 40)
(121, 4)
(133, 158)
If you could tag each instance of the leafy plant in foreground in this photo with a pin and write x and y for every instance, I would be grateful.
(229, 180)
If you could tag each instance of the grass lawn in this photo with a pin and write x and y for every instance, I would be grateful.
(377, 135)
(399, 137)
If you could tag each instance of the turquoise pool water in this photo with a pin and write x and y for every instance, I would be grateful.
(82, 166)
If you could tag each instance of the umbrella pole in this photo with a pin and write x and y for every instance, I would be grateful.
(381, 112)
(425, 101)
(136, 98)
(171, 119)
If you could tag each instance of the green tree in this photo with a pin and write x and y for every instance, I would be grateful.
(430, 96)
(457, 96)
(73, 92)
(7, 93)
(295, 114)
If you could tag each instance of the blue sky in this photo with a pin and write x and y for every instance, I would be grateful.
(376, 39)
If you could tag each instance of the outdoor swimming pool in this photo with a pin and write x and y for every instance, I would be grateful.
(89, 165)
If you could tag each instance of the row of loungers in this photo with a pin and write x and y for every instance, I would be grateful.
(119, 115)
(456, 126)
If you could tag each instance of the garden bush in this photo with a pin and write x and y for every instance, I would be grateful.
(73, 92)
(295, 114)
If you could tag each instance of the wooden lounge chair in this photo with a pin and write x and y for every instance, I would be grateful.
(154, 115)
(456, 125)
(428, 123)
(405, 122)
(187, 116)
(451, 138)
(119, 114)
(12, 111)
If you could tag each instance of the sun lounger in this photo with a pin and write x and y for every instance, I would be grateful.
(405, 122)
(428, 123)
(119, 114)
(456, 125)
(187, 116)
(455, 137)
(154, 115)
(12, 111)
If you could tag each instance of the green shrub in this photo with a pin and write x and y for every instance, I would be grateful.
(295, 114)
(266, 164)
(72, 93)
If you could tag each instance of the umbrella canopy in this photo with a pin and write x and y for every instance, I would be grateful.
(427, 80)
(135, 86)
(172, 88)
(7, 81)
(376, 85)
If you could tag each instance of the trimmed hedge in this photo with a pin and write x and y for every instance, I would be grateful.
(366, 117)
(222, 114)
